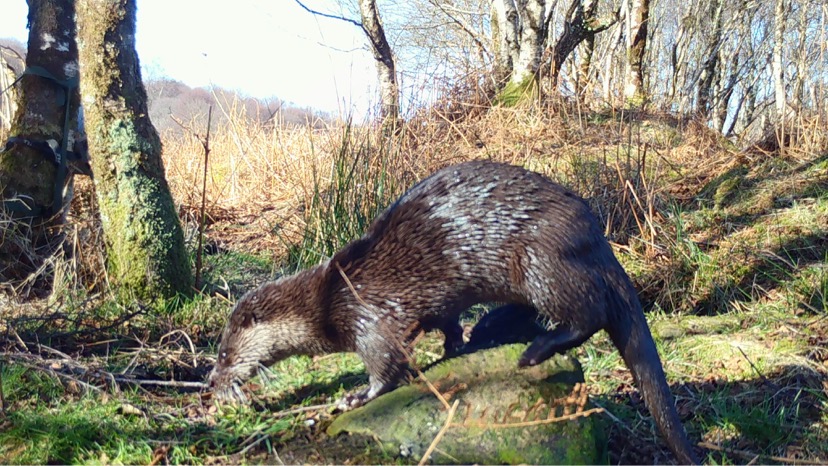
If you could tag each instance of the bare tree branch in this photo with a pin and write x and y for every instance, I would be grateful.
(326, 15)
(463, 25)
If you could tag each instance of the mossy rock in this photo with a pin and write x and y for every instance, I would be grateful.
(493, 393)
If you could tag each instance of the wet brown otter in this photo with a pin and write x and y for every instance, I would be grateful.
(470, 233)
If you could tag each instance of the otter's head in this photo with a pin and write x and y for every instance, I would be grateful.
(265, 327)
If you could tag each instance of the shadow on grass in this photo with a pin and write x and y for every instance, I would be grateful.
(727, 261)
(765, 271)
(777, 416)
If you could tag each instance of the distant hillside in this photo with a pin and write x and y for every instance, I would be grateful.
(173, 103)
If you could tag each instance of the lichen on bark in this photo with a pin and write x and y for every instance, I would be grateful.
(146, 256)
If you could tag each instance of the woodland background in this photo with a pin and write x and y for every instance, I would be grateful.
(697, 131)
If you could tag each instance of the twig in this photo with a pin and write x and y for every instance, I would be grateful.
(614, 418)
(160, 454)
(40, 363)
(2, 398)
(755, 369)
(203, 218)
(440, 434)
(764, 458)
(566, 417)
(59, 375)
(249, 447)
(54, 351)
(79, 323)
(134, 359)
(17, 337)
(430, 386)
(186, 337)
(161, 383)
(350, 286)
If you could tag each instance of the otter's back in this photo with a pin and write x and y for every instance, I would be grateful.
(481, 231)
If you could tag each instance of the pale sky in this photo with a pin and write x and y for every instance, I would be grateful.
(263, 48)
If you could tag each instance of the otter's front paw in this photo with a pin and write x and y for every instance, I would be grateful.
(352, 401)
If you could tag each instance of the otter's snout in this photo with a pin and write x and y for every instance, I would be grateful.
(225, 388)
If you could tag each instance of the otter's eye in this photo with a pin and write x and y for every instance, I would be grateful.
(254, 298)
(223, 355)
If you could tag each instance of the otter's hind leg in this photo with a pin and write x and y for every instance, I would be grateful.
(454, 337)
(558, 340)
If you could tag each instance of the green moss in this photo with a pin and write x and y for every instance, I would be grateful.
(726, 190)
(515, 92)
(635, 101)
(146, 256)
(490, 391)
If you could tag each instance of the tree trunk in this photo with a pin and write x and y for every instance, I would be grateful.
(723, 91)
(637, 20)
(608, 65)
(8, 99)
(532, 36)
(687, 29)
(580, 24)
(582, 81)
(504, 19)
(776, 61)
(389, 91)
(31, 179)
(801, 54)
(522, 32)
(711, 63)
(146, 258)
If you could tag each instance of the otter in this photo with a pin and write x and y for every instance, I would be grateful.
(470, 233)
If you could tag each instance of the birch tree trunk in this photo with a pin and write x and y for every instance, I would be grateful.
(8, 101)
(608, 65)
(146, 258)
(521, 31)
(678, 56)
(776, 61)
(532, 36)
(582, 81)
(711, 62)
(386, 72)
(32, 180)
(637, 20)
(801, 54)
(504, 20)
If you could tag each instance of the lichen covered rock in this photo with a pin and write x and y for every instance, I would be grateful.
(501, 415)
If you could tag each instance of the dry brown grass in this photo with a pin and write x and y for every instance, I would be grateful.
(261, 177)
(264, 178)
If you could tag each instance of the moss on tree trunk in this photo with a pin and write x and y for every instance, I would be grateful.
(145, 244)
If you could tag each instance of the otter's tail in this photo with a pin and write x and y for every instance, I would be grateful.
(629, 332)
